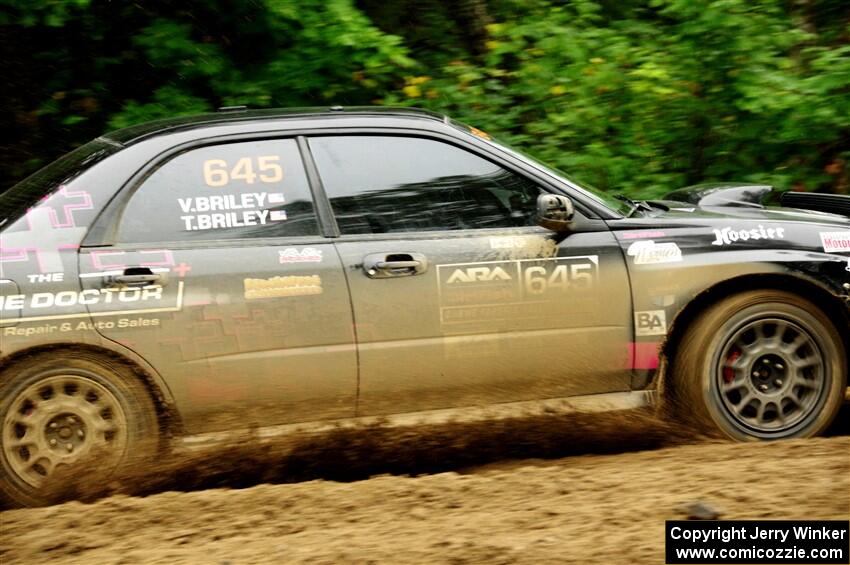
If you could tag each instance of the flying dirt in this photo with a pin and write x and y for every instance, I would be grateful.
(548, 489)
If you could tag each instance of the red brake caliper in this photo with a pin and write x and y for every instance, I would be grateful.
(728, 371)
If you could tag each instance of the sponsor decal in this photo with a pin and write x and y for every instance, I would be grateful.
(647, 252)
(651, 322)
(478, 274)
(230, 210)
(88, 297)
(277, 287)
(83, 325)
(512, 289)
(97, 301)
(836, 241)
(728, 236)
(46, 278)
(507, 242)
(306, 255)
(646, 234)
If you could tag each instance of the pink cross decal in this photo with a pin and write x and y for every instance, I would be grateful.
(48, 235)
(85, 203)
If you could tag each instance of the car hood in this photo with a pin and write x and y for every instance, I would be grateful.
(722, 194)
(757, 201)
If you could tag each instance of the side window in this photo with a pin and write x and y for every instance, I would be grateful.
(383, 184)
(238, 190)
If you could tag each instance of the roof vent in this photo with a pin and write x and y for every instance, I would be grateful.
(232, 109)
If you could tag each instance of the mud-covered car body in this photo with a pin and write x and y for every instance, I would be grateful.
(435, 291)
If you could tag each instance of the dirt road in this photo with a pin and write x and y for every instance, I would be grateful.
(584, 509)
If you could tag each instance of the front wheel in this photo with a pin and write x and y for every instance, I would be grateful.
(57, 410)
(763, 364)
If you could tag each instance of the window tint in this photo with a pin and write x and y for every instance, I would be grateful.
(240, 190)
(383, 184)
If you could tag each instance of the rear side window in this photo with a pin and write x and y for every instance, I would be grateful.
(15, 201)
(239, 190)
(385, 184)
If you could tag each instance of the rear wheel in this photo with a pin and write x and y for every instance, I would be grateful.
(763, 364)
(58, 410)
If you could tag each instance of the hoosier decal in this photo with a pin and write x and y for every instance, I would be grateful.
(727, 236)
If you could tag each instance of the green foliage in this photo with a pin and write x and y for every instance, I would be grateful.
(631, 96)
(671, 93)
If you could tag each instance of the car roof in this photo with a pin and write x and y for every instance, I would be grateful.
(234, 115)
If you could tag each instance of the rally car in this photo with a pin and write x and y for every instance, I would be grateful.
(322, 264)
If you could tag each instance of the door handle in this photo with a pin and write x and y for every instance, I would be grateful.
(388, 265)
(135, 277)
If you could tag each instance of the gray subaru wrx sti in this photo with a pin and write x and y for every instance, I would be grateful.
(314, 265)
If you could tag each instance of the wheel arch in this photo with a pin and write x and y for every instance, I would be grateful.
(830, 304)
(167, 416)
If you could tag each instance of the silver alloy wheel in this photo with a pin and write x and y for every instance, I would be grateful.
(770, 375)
(58, 420)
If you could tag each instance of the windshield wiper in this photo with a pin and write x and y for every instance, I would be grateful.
(635, 205)
(645, 205)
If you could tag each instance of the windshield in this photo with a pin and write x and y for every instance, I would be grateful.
(15, 201)
(595, 194)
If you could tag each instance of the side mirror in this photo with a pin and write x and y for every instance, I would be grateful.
(554, 212)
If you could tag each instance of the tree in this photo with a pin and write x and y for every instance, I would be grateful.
(633, 96)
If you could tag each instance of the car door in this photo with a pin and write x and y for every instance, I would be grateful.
(218, 276)
(458, 297)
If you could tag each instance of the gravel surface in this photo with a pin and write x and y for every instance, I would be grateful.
(582, 509)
